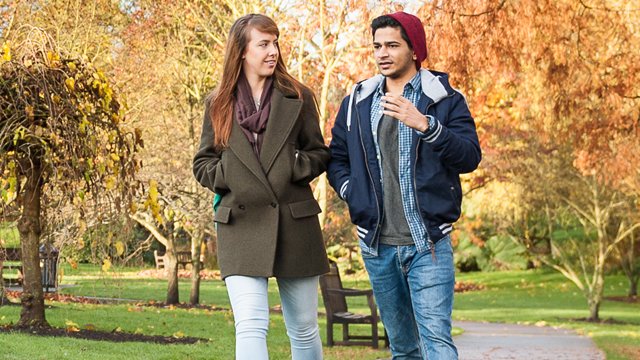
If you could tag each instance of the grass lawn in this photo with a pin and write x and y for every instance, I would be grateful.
(123, 283)
(528, 297)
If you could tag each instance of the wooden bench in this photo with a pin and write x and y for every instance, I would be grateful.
(183, 258)
(334, 296)
(159, 259)
(11, 259)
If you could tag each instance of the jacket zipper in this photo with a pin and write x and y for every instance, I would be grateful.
(366, 163)
(432, 245)
(415, 195)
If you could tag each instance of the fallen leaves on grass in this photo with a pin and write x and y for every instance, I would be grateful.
(183, 306)
(63, 298)
(183, 274)
(70, 326)
(114, 336)
(462, 286)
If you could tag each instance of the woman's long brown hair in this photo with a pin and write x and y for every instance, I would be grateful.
(221, 101)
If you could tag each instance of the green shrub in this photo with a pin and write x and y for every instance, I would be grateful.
(500, 252)
(503, 252)
(466, 254)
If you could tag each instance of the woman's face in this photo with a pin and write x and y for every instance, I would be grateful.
(261, 55)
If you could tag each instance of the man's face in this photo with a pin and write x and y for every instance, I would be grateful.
(393, 55)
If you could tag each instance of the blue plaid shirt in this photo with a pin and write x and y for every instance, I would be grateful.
(411, 92)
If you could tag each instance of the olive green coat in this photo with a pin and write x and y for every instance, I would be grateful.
(267, 223)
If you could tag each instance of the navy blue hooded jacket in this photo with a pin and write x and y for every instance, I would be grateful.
(438, 158)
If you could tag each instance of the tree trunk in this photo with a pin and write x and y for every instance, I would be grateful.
(594, 297)
(32, 298)
(171, 267)
(633, 287)
(594, 310)
(3, 253)
(3, 297)
(196, 246)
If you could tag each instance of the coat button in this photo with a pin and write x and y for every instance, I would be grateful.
(241, 207)
(274, 205)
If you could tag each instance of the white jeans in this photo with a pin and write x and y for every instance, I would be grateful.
(299, 297)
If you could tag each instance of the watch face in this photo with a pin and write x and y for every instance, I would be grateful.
(432, 121)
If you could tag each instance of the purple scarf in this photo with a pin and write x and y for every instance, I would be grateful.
(253, 121)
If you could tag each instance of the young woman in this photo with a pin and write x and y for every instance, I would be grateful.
(261, 145)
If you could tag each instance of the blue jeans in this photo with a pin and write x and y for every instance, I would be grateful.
(415, 297)
(299, 297)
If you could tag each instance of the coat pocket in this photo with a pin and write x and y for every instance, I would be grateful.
(223, 215)
(304, 208)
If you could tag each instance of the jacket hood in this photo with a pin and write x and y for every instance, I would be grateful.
(435, 85)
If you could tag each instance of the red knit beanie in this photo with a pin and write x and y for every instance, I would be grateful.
(415, 31)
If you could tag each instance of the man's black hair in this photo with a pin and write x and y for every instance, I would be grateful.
(387, 21)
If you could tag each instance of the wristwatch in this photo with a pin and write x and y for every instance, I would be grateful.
(431, 121)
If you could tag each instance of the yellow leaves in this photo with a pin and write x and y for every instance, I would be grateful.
(19, 134)
(119, 245)
(71, 84)
(153, 191)
(73, 263)
(70, 326)
(53, 59)
(28, 110)
(99, 75)
(152, 201)
(178, 335)
(82, 226)
(109, 237)
(110, 183)
(106, 265)
(6, 52)
(84, 123)
(138, 331)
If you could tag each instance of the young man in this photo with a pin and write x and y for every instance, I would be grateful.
(400, 142)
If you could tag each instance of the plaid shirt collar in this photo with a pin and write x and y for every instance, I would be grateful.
(415, 85)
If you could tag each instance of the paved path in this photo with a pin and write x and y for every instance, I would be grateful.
(487, 341)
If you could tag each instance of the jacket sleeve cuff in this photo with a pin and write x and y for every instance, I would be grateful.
(343, 190)
(434, 131)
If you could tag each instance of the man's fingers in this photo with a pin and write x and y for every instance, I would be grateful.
(393, 114)
(393, 99)
(390, 106)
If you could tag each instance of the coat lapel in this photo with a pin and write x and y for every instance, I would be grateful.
(241, 147)
(283, 115)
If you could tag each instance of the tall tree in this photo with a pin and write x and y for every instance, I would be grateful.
(3, 296)
(63, 140)
(554, 87)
